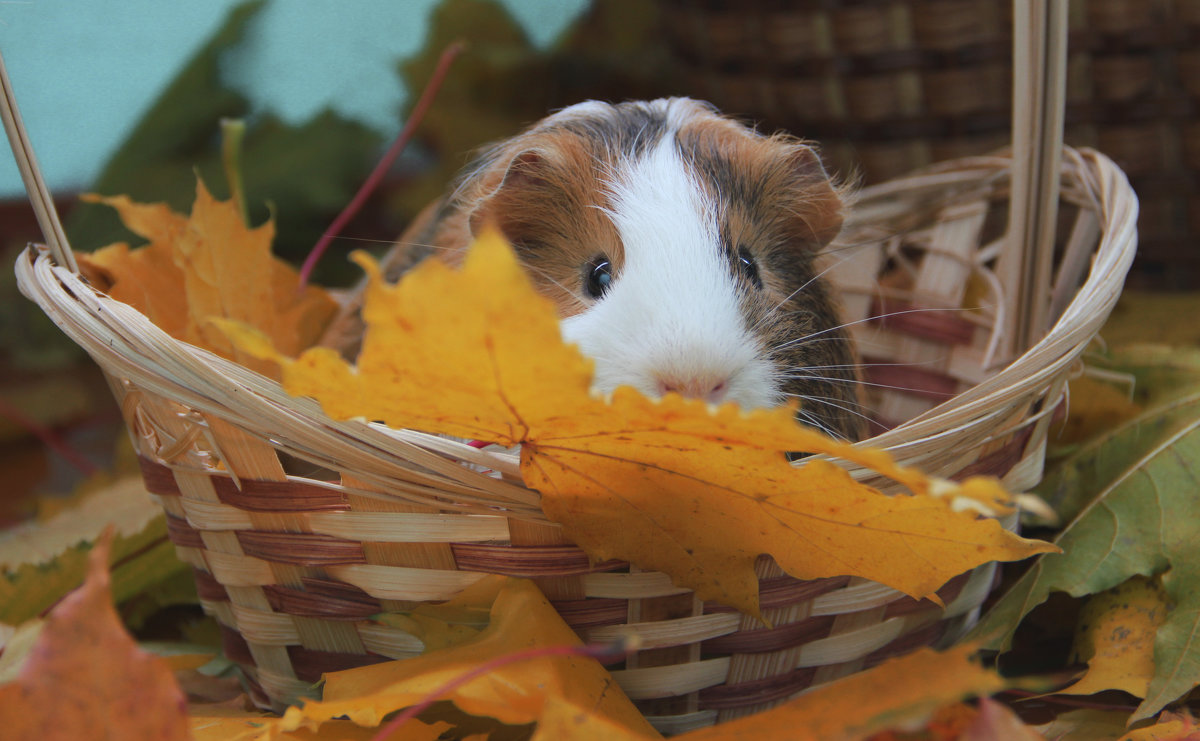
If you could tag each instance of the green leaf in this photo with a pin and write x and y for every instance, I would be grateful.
(176, 587)
(1141, 521)
(1160, 372)
(307, 173)
(155, 162)
(42, 562)
(1075, 481)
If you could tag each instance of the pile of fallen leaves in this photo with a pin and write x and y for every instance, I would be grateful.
(670, 486)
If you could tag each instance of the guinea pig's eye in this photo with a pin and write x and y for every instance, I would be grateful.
(597, 276)
(748, 267)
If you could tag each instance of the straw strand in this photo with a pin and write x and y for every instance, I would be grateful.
(31, 175)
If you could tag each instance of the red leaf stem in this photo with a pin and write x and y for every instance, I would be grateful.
(376, 176)
(49, 438)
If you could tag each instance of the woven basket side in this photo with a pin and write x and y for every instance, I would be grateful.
(293, 561)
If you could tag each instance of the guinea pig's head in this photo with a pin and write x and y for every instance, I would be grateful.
(678, 246)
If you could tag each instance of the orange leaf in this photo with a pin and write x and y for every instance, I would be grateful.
(521, 618)
(668, 485)
(86, 678)
(865, 705)
(225, 724)
(946, 724)
(882, 698)
(210, 265)
(563, 720)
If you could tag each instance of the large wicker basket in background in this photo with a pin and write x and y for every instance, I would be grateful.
(292, 566)
(889, 86)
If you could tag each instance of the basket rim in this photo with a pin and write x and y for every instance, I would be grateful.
(127, 345)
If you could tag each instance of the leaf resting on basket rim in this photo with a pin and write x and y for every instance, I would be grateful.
(208, 263)
(668, 485)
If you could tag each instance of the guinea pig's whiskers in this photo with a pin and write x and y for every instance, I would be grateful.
(365, 240)
(867, 365)
(853, 409)
(773, 311)
(394, 243)
(804, 340)
(810, 377)
(812, 421)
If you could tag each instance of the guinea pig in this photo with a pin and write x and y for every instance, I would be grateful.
(678, 246)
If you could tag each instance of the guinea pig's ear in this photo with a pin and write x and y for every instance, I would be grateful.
(512, 192)
(817, 201)
(528, 168)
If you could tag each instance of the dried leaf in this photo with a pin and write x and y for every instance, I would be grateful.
(563, 720)
(1116, 637)
(1136, 524)
(1086, 725)
(86, 678)
(1095, 408)
(449, 623)
(17, 646)
(1153, 317)
(209, 265)
(233, 724)
(521, 618)
(875, 700)
(1170, 727)
(946, 724)
(667, 485)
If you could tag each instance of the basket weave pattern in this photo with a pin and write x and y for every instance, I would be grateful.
(300, 527)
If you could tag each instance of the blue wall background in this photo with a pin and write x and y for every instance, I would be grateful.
(85, 71)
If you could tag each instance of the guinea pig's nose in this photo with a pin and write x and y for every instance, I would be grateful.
(710, 388)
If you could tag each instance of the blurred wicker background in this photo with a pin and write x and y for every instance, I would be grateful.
(888, 86)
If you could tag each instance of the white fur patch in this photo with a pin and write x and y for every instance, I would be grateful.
(671, 319)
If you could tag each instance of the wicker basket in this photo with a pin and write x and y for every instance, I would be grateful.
(888, 86)
(292, 565)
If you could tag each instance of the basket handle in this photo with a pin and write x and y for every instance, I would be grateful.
(31, 174)
(1026, 265)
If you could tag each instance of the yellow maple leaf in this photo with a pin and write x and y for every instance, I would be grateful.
(209, 264)
(516, 693)
(1116, 638)
(666, 484)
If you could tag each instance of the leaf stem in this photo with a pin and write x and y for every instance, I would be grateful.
(233, 132)
(372, 182)
(598, 651)
(49, 438)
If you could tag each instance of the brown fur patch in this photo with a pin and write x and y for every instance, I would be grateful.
(545, 192)
(780, 206)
